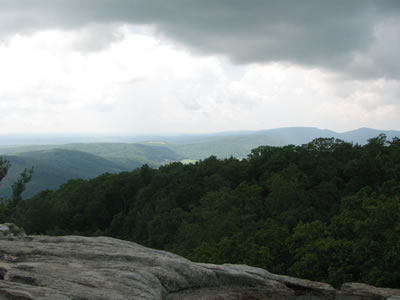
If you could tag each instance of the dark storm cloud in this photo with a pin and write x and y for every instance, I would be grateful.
(338, 35)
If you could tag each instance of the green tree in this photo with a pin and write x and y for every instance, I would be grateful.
(19, 186)
(8, 207)
(4, 166)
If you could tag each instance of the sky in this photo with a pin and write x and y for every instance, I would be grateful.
(187, 66)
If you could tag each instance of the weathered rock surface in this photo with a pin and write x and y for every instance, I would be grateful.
(75, 267)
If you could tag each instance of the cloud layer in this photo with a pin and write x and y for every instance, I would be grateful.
(146, 66)
(141, 84)
(357, 38)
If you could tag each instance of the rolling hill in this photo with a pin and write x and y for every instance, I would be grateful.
(54, 167)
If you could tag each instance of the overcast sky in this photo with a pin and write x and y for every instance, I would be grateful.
(191, 66)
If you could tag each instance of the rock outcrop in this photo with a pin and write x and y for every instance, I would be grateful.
(75, 267)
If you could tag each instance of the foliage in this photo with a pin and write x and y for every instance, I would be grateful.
(4, 166)
(327, 210)
(8, 206)
(19, 186)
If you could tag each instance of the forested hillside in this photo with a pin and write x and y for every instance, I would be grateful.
(327, 210)
(54, 167)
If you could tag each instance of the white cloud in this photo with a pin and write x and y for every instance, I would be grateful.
(64, 82)
(137, 80)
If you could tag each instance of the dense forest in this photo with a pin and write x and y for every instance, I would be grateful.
(327, 210)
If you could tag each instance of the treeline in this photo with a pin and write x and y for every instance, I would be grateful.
(327, 210)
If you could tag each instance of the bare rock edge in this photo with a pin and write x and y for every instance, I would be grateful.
(76, 267)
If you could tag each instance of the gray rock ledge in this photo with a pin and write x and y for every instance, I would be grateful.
(75, 267)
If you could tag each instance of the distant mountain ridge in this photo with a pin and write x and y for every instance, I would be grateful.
(303, 135)
(55, 164)
(240, 144)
